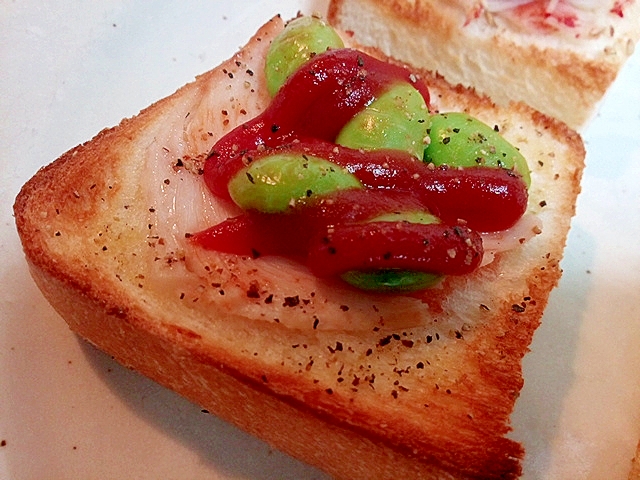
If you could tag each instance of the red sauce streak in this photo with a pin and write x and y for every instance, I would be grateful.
(331, 237)
(401, 245)
(255, 233)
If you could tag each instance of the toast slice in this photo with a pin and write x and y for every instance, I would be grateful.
(358, 384)
(560, 56)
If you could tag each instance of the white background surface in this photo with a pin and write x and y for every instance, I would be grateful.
(70, 68)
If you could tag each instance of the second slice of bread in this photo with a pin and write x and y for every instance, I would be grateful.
(563, 77)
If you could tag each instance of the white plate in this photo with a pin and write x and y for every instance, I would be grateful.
(69, 69)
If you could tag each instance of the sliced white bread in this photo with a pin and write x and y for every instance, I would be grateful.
(360, 385)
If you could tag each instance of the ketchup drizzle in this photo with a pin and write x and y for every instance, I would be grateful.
(338, 232)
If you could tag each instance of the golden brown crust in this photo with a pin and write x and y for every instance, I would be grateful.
(384, 403)
(507, 65)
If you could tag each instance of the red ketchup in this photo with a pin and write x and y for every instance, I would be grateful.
(338, 232)
(334, 234)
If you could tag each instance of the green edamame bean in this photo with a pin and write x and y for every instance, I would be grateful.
(459, 140)
(301, 39)
(395, 280)
(274, 183)
(397, 119)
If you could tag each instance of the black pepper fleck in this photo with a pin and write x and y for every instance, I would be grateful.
(291, 301)
(254, 290)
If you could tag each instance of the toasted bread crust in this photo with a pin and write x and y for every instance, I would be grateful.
(386, 403)
(565, 80)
